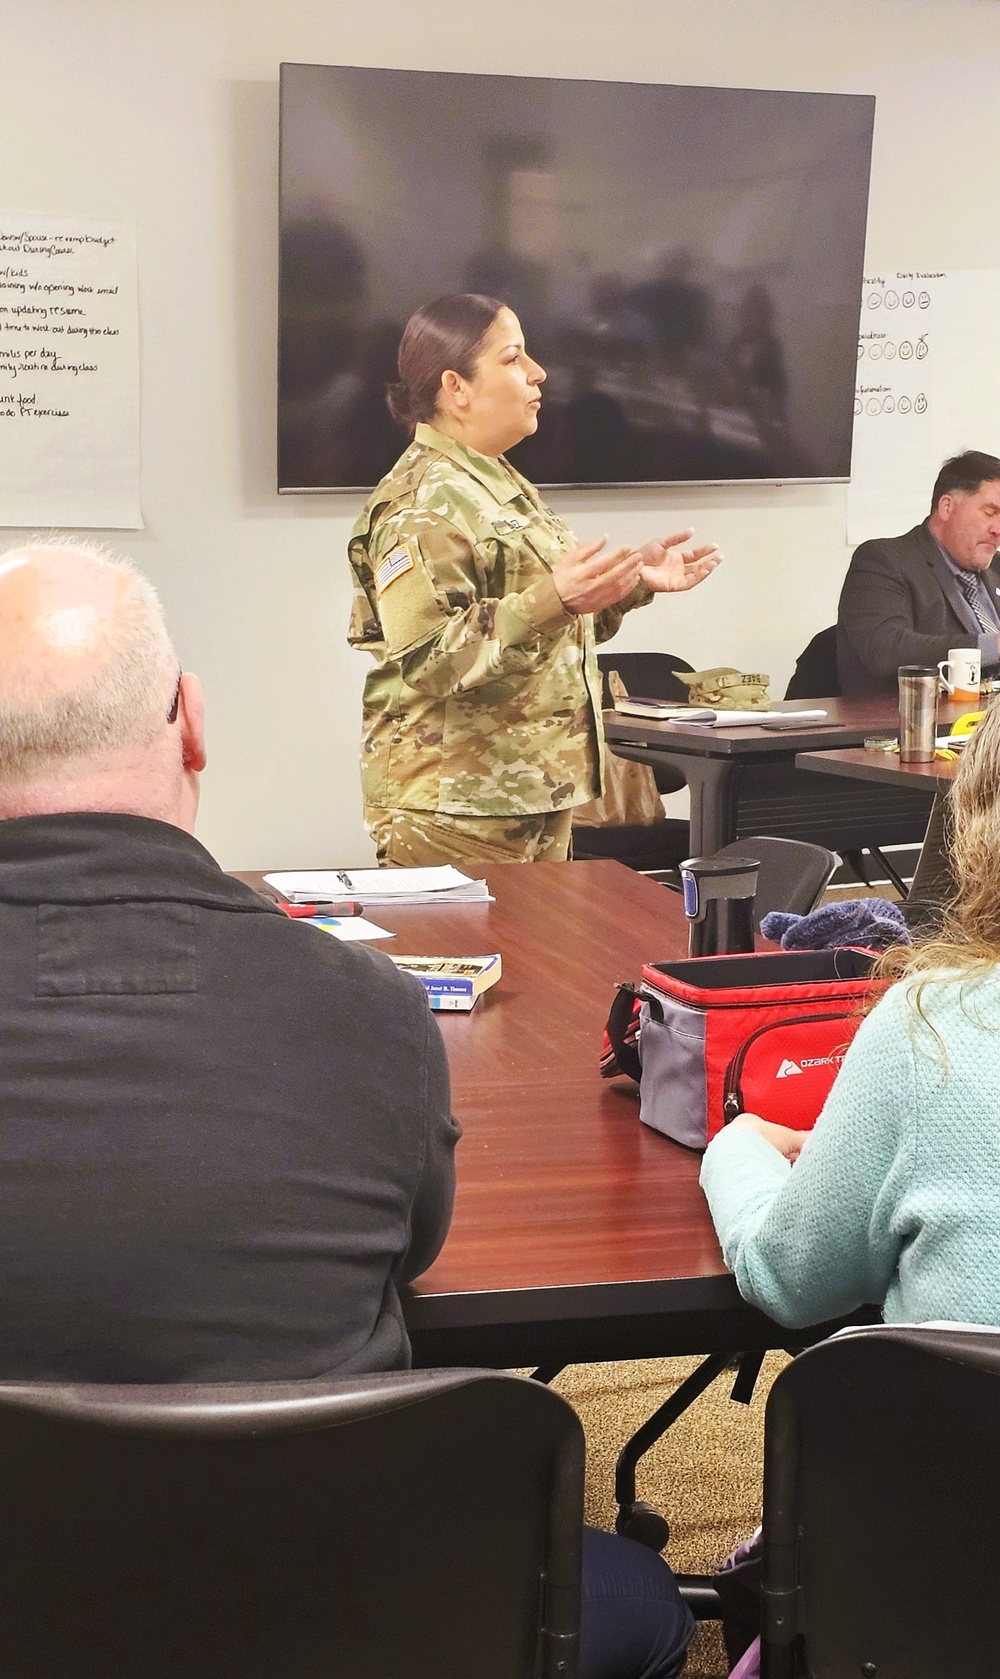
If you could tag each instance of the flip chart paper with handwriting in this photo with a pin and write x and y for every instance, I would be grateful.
(927, 383)
(69, 373)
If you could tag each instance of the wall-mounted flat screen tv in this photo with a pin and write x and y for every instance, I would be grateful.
(686, 263)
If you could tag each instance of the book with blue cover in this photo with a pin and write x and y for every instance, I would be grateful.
(452, 982)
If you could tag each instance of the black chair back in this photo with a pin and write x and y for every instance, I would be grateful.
(426, 1524)
(792, 874)
(881, 1491)
(815, 675)
(648, 674)
(651, 675)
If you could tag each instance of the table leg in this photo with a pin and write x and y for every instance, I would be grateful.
(712, 783)
(636, 1519)
(547, 1373)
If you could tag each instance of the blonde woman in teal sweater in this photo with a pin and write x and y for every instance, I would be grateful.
(894, 1198)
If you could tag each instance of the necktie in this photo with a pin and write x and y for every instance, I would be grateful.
(968, 582)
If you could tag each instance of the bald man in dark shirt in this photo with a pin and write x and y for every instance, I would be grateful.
(226, 1139)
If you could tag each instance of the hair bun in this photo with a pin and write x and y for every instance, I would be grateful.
(445, 333)
(399, 400)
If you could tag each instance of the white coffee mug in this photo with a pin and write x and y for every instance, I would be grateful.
(961, 672)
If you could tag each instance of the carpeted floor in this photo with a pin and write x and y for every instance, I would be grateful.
(704, 1475)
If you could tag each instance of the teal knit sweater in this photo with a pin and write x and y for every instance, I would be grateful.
(895, 1197)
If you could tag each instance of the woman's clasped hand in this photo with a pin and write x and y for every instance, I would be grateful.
(588, 578)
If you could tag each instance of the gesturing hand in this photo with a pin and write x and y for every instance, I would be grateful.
(787, 1142)
(669, 568)
(587, 580)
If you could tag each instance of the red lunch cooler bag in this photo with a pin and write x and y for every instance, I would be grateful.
(714, 1036)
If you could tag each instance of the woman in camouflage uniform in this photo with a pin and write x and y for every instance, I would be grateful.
(482, 717)
(482, 723)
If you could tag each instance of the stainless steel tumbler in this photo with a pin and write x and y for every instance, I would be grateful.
(919, 686)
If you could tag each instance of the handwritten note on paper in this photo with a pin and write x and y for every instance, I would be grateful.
(927, 382)
(69, 374)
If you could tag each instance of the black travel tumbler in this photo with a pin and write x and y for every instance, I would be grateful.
(719, 897)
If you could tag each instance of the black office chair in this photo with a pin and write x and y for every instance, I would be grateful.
(651, 845)
(648, 674)
(881, 1491)
(426, 1524)
(816, 675)
(652, 676)
(792, 874)
(859, 821)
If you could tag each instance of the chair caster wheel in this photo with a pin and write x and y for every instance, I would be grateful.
(642, 1523)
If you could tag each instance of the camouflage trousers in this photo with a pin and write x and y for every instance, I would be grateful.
(423, 838)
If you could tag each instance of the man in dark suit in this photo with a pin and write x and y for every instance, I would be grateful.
(907, 600)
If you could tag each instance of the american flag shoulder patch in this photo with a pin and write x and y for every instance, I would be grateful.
(393, 566)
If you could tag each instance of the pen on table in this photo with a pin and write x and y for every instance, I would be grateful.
(323, 906)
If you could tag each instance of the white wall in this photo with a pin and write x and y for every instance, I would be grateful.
(165, 111)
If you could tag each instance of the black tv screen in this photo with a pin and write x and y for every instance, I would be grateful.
(686, 263)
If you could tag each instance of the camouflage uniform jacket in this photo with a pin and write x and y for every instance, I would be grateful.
(485, 699)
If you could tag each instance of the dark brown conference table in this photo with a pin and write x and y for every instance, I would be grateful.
(866, 764)
(578, 1235)
(933, 881)
(710, 759)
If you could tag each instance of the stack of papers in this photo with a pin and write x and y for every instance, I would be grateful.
(663, 711)
(754, 719)
(445, 885)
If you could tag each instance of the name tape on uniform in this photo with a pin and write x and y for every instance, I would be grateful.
(394, 565)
